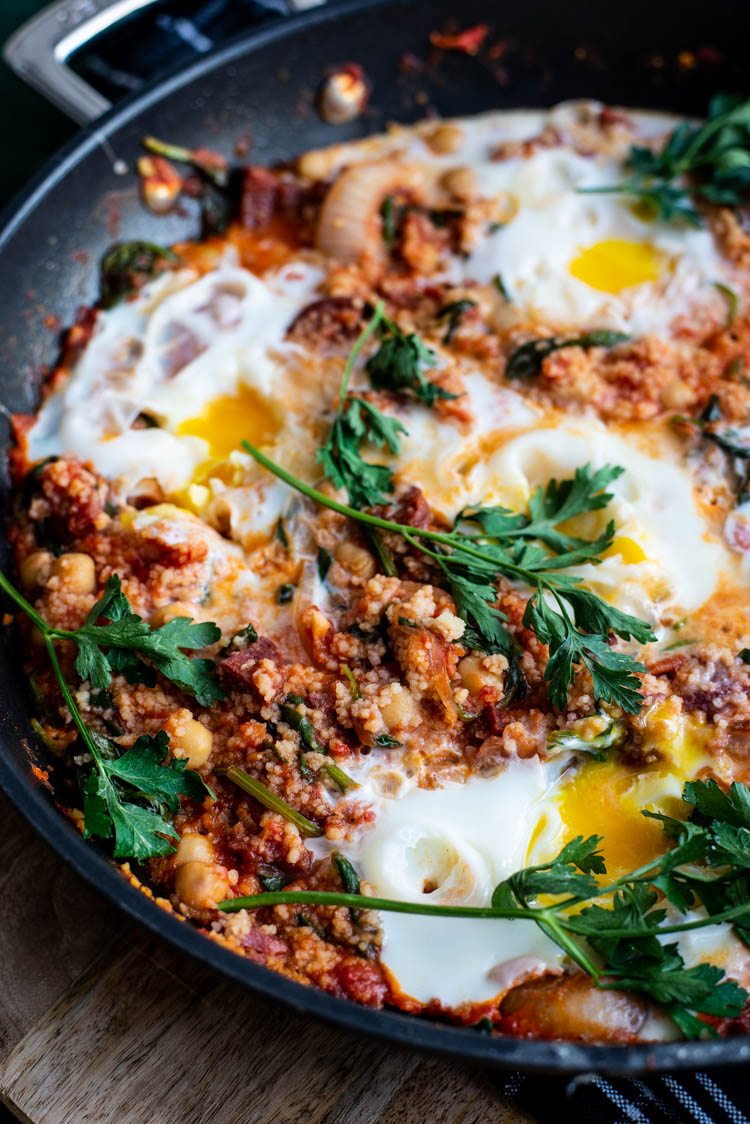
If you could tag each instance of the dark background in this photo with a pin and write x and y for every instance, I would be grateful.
(32, 129)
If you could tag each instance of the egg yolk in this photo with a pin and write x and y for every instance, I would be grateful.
(616, 264)
(607, 798)
(603, 799)
(230, 418)
(626, 548)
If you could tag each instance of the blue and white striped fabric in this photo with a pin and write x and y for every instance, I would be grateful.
(714, 1097)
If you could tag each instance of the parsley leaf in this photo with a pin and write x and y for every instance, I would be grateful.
(613, 673)
(130, 796)
(358, 420)
(126, 640)
(367, 484)
(569, 873)
(399, 361)
(710, 162)
(548, 507)
(526, 361)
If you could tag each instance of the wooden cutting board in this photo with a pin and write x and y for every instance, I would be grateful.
(101, 1023)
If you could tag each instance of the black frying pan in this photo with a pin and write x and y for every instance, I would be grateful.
(627, 54)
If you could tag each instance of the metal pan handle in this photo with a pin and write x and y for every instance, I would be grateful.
(39, 51)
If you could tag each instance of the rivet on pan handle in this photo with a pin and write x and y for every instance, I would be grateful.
(39, 51)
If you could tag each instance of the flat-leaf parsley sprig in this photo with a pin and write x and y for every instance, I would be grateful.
(397, 365)
(714, 158)
(399, 362)
(620, 944)
(577, 631)
(131, 795)
(358, 420)
(128, 795)
(125, 641)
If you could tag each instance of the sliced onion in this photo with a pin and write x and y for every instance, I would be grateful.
(349, 226)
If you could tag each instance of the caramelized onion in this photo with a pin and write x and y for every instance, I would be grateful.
(349, 226)
(573, 1008)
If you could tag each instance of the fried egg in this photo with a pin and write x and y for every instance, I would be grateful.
(452, 846)
(574, 261)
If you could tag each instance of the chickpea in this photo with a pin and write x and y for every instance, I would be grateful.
(189, 738)
(460, 183)
(475, 675)
(444, 139)
(356, 559)
(166, 613)
(36, 569)
(77, 572)
(314, 165)
(472, 674)
(201, 885)
(195, 849)
(677, 395)
(400, 710)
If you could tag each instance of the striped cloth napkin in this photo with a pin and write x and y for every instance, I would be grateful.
(718, 1096)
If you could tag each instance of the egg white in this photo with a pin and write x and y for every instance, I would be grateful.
(462, 839)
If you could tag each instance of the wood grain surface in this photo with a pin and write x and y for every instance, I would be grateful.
(101, 1023)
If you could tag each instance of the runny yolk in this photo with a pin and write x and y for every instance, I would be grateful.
(626, 548)
(603, 799)
(616, 264)
(230, 418)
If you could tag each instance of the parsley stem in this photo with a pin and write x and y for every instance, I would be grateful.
(24, 605)
(362, 339)
(271, 801)
(48, 635)
(359, 901)
(406, 532)
(339, 777)
(554, 927)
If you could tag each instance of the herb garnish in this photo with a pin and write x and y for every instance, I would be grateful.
(218, 197)
(715, 157)
(734, 444)
(210, 164)
(509, 545)
(357, 420)
(526, 361)
(573, 740)
(399, 361)
(625, 935)
(127, 641)
(128, 795)
(453, 314)
(253, 787)
(127, 266)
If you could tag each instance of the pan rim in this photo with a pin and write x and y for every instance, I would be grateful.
(100, 872)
